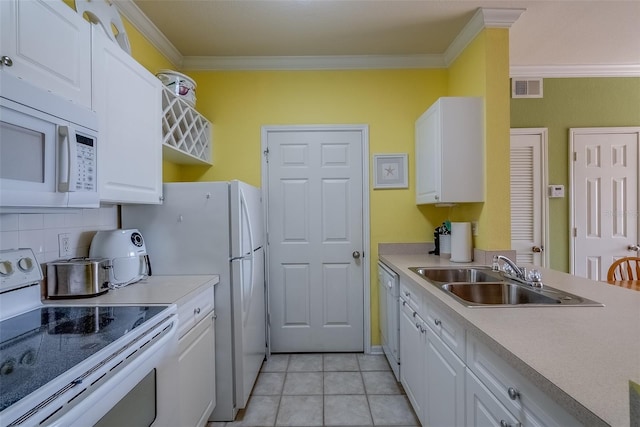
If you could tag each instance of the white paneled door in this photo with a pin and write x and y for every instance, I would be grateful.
(315, 238)
(604, 208)
(528, 200)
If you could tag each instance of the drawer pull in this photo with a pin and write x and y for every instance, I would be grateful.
(513, 393)
(196, 310)
(404, 303)
(438, 322)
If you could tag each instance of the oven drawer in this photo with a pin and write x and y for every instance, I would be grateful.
(195, 307)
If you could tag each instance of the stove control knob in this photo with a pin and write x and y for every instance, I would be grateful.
(7, 367)
(25, 264)
(6, 268)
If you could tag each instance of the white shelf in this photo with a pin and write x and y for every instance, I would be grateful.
(186, 134)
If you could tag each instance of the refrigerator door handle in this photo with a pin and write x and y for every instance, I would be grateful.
(245, 213)
(248, 255)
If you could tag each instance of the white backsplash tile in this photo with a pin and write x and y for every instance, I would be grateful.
(40, 231)
(9, 222)
(9, 239)
(33, 239)
(31, 221)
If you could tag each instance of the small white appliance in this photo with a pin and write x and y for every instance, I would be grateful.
(48, 149)
(127, 252)
(216, 228)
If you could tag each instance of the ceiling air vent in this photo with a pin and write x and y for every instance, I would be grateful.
(526, 88)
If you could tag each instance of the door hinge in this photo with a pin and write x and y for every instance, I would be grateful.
(575, 156)
(266, 154)
(269, 319)
(575, 232)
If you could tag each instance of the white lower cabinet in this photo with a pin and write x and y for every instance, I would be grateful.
(483, 408)
(197, 388)
(530, 406)
(412, 350)
(431, 373)
(196, 361)
(444, 381)
(453, 379)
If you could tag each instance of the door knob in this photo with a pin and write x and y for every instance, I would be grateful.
(633, 248)
(537, 249)
(355, 254)
(5, 60)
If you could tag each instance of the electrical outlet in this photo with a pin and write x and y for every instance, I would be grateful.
(474, 228)
(64, 245)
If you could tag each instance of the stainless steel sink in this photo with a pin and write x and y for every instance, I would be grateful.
(451, 275)
(482, 287)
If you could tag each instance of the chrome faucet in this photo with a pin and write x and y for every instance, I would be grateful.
(534, 278)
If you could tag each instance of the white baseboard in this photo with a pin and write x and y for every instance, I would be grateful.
(376, 349)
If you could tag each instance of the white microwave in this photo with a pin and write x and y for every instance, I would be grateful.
(48, 149)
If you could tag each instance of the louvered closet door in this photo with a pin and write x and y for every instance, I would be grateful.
(527, 195)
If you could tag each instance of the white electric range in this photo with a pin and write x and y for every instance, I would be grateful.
(81, 365)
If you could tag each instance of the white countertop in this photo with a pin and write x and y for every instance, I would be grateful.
(152, 290)
(581, 357)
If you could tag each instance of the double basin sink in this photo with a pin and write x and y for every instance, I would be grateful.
(483, 287)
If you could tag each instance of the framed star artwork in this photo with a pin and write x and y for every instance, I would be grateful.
(391, 171)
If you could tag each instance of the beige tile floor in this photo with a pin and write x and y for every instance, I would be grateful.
(330, 389)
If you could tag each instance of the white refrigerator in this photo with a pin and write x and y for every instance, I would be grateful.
(215, 228)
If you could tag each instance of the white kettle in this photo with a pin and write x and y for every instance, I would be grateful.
(127, 252)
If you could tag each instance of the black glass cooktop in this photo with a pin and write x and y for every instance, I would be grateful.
(40, 345)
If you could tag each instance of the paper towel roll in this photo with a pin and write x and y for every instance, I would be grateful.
(461, 244)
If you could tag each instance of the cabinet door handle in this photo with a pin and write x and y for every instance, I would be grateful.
(438, 322)
(513, 393)
(196, 310)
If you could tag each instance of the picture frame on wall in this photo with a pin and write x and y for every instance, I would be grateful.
(390, 171)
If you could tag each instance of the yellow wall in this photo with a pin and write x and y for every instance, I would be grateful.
(239, 103)
(483, 70)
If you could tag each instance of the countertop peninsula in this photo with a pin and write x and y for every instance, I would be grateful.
(581, 357)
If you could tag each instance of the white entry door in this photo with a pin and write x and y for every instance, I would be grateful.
(604, 208)
(529, 213)
(315, 237)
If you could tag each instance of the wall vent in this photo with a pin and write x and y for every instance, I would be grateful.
(526, 88)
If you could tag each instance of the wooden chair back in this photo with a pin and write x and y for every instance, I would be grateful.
(627, 268)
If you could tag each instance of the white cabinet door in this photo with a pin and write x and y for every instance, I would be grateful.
(49, 45)
(444, 380)
(128, 101)
(412, 345)
(197, 391)
(483, 409)
(449, 144)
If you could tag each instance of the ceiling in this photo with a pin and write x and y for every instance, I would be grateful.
(549, 33)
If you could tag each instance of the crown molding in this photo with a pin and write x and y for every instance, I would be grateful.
(341, 62)
(138, 19)
(483, 18)
(568, 71)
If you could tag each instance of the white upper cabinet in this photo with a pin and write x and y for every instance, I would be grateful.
(449, 145)
(49, 45)
(128, 101)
